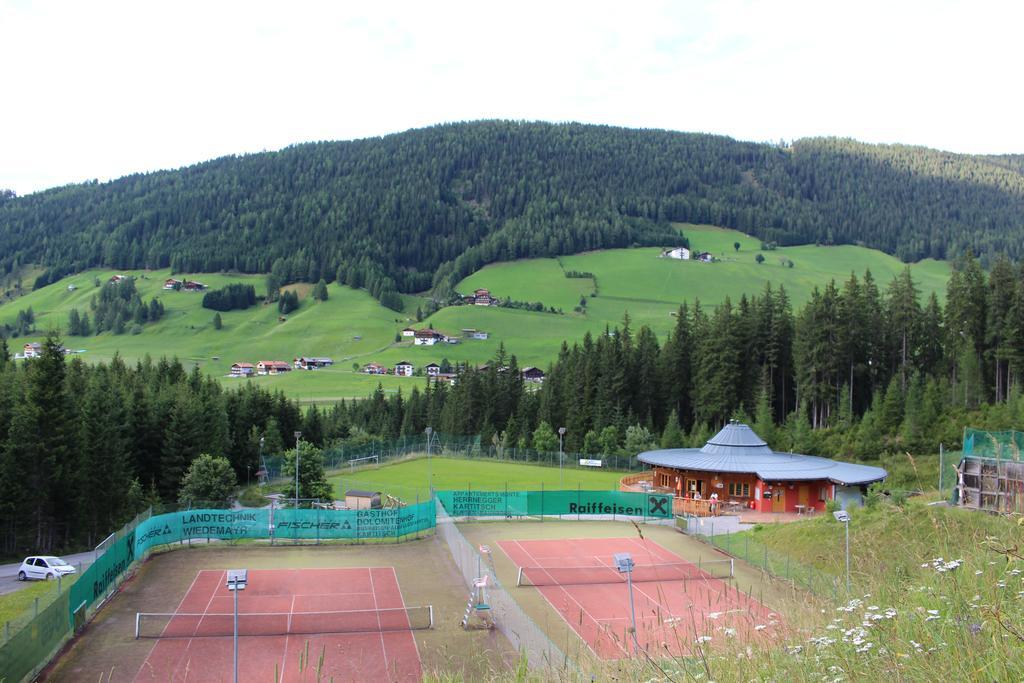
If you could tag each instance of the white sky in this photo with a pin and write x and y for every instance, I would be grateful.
(101, 89)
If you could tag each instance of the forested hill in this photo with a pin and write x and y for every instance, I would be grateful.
(426, 207)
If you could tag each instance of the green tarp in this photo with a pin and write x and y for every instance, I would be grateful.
(31, 647)
(561, 503)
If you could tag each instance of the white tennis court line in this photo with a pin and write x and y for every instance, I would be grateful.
(583, 610)
(181, 602)
(284, 659)
(383, 647)
(188, 646)
(419, 659)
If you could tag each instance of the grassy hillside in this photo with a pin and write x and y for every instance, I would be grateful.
(354, 329)
(937, 595)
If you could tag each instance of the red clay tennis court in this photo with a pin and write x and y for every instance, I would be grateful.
(676, 601)
(355, 617)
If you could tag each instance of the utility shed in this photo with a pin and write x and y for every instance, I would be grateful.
(991, 484)
(362, 500)
(990, 475)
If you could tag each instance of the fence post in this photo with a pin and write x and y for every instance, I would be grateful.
(542, 501)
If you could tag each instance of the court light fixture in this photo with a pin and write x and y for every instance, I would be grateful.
(844, 517)
(624, 565)
(237, 580)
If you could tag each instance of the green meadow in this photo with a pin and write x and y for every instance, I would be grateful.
(353, 329)
(408, 479)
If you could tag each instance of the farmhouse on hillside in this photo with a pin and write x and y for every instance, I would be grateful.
(272, 367)
(428, 337)
(171, 283)
(408, 332)
(315, 363)
(681, 253)
(740, 467)
(31, 350)
(242, 369)
(480, 297)
(193, 286)
(432, 369)
(403, 369)
(704, 257)
(532, 374)
(117, 279)
(374, 369)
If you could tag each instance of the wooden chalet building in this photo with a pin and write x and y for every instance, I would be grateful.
(242, 369)
(403, 369)
(432, 369)
(428, 337)
(374, 369)
(745, 473)
(272, 367)
(314, 363)
(480, 297)
(532, 374)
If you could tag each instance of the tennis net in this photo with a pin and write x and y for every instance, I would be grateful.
(181, 625)
(674, 571)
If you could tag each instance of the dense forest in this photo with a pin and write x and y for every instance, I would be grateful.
(425, 208)
(865, 369)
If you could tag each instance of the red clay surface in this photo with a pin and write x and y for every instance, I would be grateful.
(366, 656)
(670, 615)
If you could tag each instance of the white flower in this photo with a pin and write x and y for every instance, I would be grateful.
(702, 639)
(865, 647)
(731, 632)
(795, 649)
(713, 615)
(978, 572)
(760, 627)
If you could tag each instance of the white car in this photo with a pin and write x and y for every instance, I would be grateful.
(44, 567)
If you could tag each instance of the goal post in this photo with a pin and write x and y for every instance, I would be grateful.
(366, 460)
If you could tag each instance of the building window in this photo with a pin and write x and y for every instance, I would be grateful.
(823, 494)
(739, 490)
(664, 480)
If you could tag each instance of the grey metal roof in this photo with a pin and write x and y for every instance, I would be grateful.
(737, 449)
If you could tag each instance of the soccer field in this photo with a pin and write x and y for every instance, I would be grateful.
(409, 479)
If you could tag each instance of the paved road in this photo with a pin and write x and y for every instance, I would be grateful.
(9, 572)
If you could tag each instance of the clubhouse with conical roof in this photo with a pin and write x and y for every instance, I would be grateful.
(738, 466)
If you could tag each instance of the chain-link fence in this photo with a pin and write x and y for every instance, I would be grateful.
(779, 565)
(452, 446)
(1004, 445)
(520, 629)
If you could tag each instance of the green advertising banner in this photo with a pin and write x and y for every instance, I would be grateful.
(354, 524)
(560, 503)
(485, 503)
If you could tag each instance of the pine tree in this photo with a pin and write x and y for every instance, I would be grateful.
(672, 437)
(217, 322)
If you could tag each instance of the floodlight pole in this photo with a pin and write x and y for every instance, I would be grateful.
(236, 630)
(430, 481)
(847, 523)
(624, 564)
(561, 478)
(844, 517)
(298, 435)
